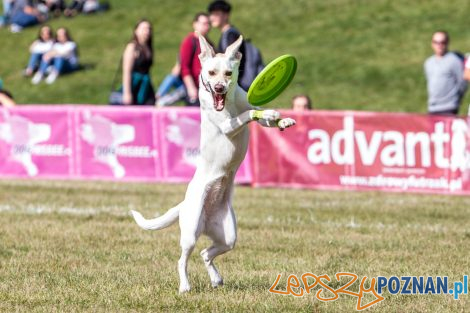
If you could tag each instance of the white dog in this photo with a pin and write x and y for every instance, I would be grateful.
(207, 207)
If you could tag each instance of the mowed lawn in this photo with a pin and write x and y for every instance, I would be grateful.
(72, 247)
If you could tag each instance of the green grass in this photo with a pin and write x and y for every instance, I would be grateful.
(71, 247)
(353, 54)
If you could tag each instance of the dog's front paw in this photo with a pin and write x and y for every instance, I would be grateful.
(271, 115)
(268, 115)
(285, 123)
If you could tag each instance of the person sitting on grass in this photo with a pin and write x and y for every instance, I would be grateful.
(54, 8)
(172, 89)
(136, 63)
(24, 13)
(38, 48)
(81, 6)
(63, 58)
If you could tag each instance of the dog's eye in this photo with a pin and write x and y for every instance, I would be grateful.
(212, 73)
(228, 73)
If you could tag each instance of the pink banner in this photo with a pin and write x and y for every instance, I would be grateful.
(179, 128)
(364, 151)
(36, 142)
(89, 142)
(334, 150)
(117, 144)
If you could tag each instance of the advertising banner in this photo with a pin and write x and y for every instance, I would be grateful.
(112, 143)
(364, 151)
(325, 150)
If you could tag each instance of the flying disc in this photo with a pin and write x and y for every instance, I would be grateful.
(272, 80)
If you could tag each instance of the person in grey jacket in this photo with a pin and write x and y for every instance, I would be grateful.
(444, 75)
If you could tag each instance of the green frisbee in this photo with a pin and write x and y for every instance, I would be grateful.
(272, 80)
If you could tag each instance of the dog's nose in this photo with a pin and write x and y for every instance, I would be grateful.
(219, 88)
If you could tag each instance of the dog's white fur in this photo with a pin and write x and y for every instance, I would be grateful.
(207, 207)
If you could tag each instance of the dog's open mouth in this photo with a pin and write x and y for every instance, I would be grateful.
(219, 100)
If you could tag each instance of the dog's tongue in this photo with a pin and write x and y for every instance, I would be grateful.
(219, 102)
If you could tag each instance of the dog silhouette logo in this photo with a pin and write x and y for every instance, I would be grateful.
(184, 132)
(22, 134)
(106, 136)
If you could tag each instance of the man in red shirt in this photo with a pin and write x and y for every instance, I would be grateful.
(189, 57)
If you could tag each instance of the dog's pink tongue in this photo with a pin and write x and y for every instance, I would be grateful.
(219, 102)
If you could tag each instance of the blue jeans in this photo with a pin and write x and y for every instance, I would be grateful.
(171, 90)
(24, 20)
(34, 61)
(7, 6)
(61, 65)
(170, 81)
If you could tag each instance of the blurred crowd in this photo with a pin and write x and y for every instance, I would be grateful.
(54, 53)
(182, 83)
(51, 53)
(18, 14)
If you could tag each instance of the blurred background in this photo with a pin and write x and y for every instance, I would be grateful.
(352, 54)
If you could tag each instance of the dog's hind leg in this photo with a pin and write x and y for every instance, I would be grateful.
(187, 247)
(224, 237)
(191, 228)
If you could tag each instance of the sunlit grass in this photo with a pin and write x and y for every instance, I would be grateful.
(71, 246)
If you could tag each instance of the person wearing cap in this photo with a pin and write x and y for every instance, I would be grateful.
(219, 15)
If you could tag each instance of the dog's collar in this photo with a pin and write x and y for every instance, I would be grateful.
(206, 85)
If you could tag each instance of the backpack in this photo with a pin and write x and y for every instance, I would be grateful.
(253, 65)
(460, 55)
(463, 57)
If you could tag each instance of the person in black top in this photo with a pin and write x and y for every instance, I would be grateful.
(136, 64)
(219, 14)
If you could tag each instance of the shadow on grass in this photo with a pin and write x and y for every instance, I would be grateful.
(81, 67)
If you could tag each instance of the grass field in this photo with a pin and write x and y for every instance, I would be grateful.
(71, 247)
(353, 54)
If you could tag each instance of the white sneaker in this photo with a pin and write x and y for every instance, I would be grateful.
(36, 78)
(52, 77)
(15, 28)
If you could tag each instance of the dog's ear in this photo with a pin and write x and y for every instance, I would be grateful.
(232, 50)
(206, 49)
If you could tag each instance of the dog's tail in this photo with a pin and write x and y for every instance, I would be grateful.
(167, 219)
